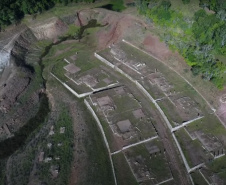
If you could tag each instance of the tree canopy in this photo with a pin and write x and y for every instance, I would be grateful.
(199, 39)
(13, 10)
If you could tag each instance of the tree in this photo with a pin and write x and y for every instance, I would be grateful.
(186, 1)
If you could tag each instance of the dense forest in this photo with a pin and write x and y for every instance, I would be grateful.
(200, 38)
(13, 10)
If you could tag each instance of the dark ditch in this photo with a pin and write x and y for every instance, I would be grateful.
(107, 6)
(10, 145)
(91, 24)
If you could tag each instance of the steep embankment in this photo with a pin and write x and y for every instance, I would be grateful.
(19, 95)
(21, 86)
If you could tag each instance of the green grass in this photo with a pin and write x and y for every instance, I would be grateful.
(198, 179)
(170, 111)
(218, 166)
(157, 164)
(179, 85)
(62, 11)
(85, 61)
(192, 149)
(123, 173)
(59, 71)
(125, 103)
(209, 125)
(99, 167)
(65, 152)
(72, 30)
(118, 5)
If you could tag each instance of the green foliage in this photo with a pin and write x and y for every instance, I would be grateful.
(165, 5)
(13, 10)
(215, 5)
(186, 1)
(142, 6)
(197, 39)
(64, 152)
(12, 144)
(73, 31)
(218, 166)
(118, 5)
(123, 173)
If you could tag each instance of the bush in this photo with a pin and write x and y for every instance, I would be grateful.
(186, 1)
(118, 5)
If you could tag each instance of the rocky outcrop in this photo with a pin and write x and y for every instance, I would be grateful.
(50, 29)
(18, 102)
(22, 46)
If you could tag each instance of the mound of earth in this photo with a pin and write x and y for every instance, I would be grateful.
(118, 26)
(50, 29)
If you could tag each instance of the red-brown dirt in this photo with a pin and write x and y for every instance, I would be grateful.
(159, 49)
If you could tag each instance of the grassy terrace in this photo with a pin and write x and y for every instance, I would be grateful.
(63, 11)
(170, 111)
(124, 175)
(208, 125)
(145, 126)
(64, 152)
(155, 163)
(194, 152)
(98, 169)
(85, 61)
(198, 178)
(179, 84)
(218, 166)
(123, 111)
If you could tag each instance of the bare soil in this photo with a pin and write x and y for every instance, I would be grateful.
(159, 49)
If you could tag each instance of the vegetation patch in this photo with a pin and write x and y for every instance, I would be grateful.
(124, 175)
(197, 38)
(12, 144)
(198, 179)
(61, 150)
(218, 166)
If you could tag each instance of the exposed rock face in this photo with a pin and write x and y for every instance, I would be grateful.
(4, 59)
(51, 29)
(19, 101)
(22, 46)
(17, 105)
(13, 89)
